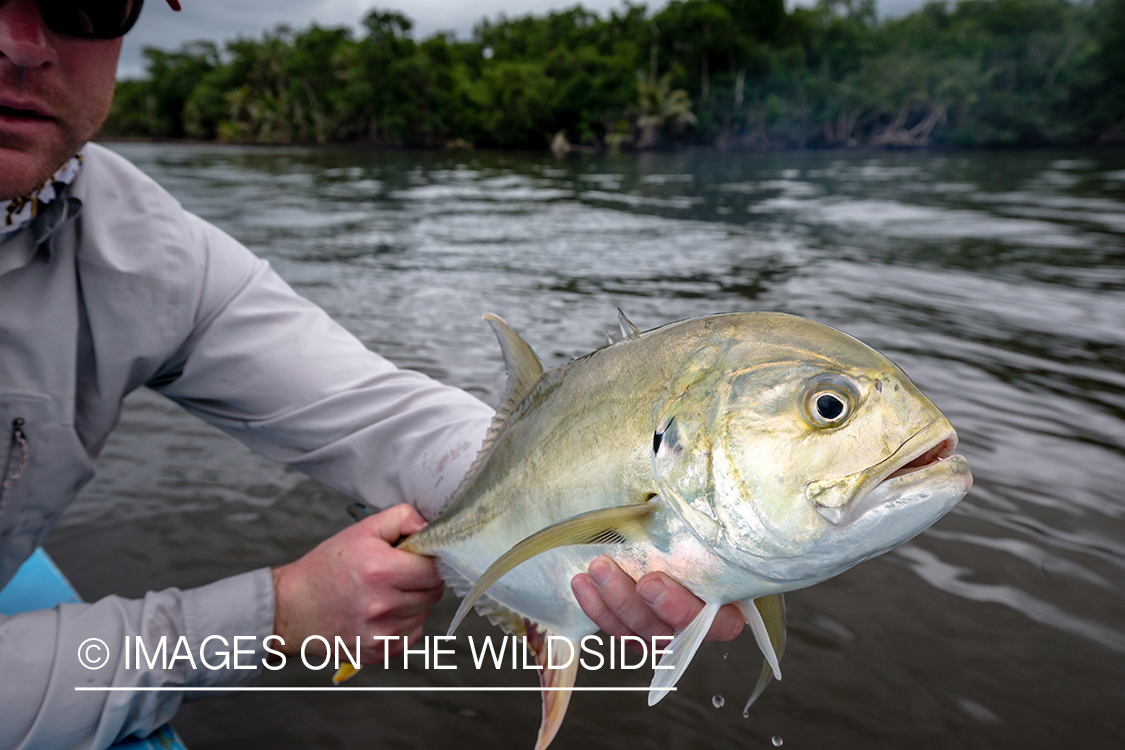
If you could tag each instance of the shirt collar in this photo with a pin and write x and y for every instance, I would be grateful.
(17, 213)
(53, 205)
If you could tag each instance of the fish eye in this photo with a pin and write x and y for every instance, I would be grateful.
(829, 407)
(829, 400)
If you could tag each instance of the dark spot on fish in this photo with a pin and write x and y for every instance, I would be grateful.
(609, 536)
(658, 436)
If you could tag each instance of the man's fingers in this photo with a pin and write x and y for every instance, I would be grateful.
(594, 607)
(409, 604)
(673, 603)
(395, 522)
(727, 625)
(677, 606)
(619, 592)
(407, 571)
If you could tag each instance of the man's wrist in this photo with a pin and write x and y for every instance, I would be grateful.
(281, 626)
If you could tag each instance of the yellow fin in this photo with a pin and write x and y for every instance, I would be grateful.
(604, 526)
(557, 683)
(766, 618)
(345, 671)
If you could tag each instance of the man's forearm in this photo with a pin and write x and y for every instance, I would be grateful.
(40, 652)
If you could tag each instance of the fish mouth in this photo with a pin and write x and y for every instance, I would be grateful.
(921, 457)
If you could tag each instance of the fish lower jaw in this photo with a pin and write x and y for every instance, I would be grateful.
(932, 465)
(834, 516)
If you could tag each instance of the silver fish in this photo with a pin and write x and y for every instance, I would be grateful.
(746, 455)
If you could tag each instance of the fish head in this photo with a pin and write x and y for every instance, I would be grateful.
(803, 452)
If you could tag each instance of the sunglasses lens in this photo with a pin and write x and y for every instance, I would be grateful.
(90, 19)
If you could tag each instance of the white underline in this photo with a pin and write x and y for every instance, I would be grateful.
(361, 689)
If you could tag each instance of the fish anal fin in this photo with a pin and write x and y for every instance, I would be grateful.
(681, 651)
(766, 618)
(557, 682)
(604, 526)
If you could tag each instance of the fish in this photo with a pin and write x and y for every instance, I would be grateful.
(746, 455)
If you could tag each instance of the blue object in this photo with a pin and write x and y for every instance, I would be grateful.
(39, 584)
(164, 738)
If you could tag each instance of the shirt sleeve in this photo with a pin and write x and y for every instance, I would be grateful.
(42, 708)
(272, 369)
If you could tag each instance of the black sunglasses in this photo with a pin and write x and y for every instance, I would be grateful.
(92, 19)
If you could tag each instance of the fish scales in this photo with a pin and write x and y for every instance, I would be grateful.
(581, 440)
(745, 454)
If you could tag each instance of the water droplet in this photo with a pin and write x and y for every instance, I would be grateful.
(746, 713)
(718, 701)
(725, 655)
(777, 741)
(468, 712)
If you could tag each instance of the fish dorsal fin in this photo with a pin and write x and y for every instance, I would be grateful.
(524, 368)
(681, 651)
(766, 618)
(603, 526)
(628, 330)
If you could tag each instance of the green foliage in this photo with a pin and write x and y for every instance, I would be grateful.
(155, 107)
(733, 72)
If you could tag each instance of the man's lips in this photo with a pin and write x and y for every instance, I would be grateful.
(26, 110)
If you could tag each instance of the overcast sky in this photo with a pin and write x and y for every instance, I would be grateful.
(220, 20)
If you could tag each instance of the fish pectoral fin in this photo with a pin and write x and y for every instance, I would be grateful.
(766, 618)
(557, 681)
(605, 526)
(681, 651)
(345, 671)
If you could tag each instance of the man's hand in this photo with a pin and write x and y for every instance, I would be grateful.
(655, 605)
(356, 583)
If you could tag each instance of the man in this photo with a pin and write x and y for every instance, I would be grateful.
(107, 284)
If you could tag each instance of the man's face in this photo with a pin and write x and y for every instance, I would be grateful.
(55, 92)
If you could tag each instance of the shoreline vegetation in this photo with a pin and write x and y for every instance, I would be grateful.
(732, 74)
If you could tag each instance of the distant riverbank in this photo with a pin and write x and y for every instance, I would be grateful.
(733, 74)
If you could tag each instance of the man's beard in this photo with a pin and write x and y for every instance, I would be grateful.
(47, 154)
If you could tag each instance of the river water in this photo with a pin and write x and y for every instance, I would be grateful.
(996, 279)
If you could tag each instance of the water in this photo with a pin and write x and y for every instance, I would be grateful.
(997, 280)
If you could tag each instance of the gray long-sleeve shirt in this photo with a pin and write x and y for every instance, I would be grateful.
(113, 287)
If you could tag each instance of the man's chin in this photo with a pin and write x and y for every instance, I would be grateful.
(25, 166)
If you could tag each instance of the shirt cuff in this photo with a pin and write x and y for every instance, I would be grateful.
(230, 619)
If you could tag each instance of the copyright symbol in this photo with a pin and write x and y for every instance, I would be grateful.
(93, 653)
